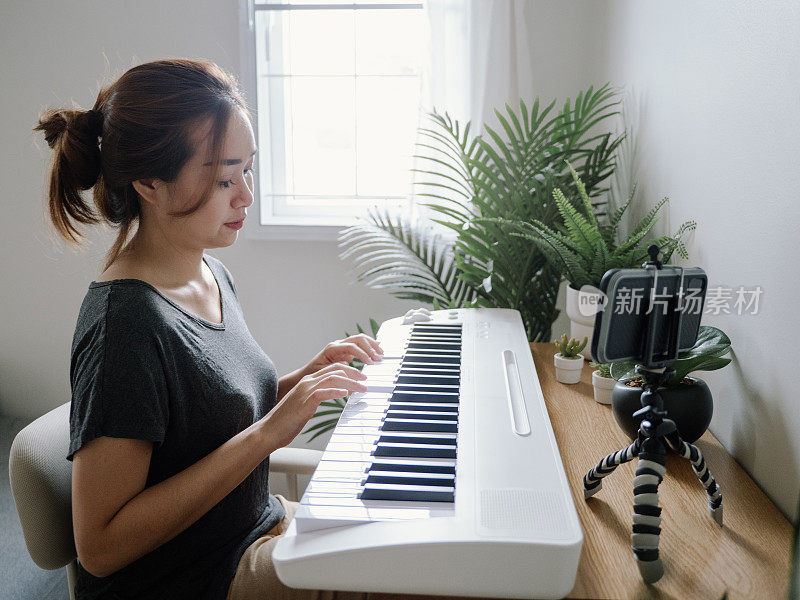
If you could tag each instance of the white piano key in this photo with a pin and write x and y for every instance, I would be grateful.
(336, 487)
(340, 476)
(367, 397)
(379, 385)
(346, 455)
(375, 513)
(351, 447)
(325, 465)
(351, 431)
(352, 424)
(397, 506)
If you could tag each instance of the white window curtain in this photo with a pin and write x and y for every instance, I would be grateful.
(478, 59)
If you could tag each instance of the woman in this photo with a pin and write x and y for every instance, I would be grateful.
(175, 407)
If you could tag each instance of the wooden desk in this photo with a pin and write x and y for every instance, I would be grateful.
(749, 557)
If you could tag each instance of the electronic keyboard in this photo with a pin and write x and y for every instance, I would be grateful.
(444, 476)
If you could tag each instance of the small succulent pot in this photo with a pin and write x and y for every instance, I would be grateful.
(689, 405)
(568, 370)
(603, 387)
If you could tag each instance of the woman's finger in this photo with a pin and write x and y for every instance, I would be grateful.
(373, 343)
(343, 368)
(341, 382)
(353, 350)
(367, 344)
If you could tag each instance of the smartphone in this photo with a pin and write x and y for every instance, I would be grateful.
(624, 329)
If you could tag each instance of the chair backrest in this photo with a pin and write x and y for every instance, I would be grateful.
(41, 481)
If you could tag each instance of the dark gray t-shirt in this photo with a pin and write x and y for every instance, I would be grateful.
(143, 367)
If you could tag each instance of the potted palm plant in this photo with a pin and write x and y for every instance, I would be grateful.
(506, 173)
(687, 400)
(584, 248)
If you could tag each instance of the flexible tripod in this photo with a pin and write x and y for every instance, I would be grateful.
(656, 434)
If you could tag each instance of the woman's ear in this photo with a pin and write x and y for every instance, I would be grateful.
(147, 188)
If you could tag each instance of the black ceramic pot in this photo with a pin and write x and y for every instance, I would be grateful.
(689, 405)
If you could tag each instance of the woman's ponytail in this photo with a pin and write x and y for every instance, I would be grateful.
(74, 136)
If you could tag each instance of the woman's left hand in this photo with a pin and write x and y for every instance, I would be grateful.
(361, 346)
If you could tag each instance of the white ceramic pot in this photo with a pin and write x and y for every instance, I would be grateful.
(568, 370)
(581, 310)
(603, 386)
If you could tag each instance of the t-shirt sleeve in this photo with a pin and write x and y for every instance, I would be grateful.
(119, 387)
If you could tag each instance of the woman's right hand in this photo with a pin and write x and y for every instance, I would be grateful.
(287, 418)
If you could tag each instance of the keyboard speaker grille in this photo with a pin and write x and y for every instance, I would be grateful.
(523, 513)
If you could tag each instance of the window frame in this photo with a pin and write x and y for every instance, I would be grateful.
(298, 228)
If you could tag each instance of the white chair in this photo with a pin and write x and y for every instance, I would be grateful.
(41, 482)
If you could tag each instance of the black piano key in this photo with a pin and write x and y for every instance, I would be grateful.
(406, 396)
(436, 334)
(380, 491)
(428, 380)
(402, 450)
(419, 425)
(431, 359)
(413, 468)
(414, 439)
(413, 480)
(438, 328)
(429, 371)
(423, 406)
(454, 351)
(418, 414)
(425, 346)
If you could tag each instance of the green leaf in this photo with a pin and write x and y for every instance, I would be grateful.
(698, 363)
(623, 370)
(710, 342)
(374, 325)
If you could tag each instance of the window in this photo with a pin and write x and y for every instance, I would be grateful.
(337, 95)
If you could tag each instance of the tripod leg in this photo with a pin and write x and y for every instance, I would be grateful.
(647, 519)
(593, 480)
(693, 454)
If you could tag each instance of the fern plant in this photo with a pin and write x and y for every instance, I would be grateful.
(507, 174)
(584, 248)
(327, 415)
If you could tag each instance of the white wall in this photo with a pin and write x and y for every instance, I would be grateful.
(717, 88)
(296, 296)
